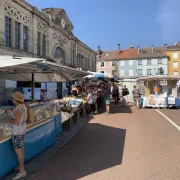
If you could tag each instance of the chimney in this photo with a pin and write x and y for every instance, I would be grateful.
(165, 46)
(99, 50)
(119, 47)
(152, 47)
(138, 49)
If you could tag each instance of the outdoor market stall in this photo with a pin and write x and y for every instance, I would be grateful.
(160, 91)
(44, 119)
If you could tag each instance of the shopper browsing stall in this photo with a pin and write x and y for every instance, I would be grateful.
(90, 102)
(18, 121)
(136, 96)
(95, 96)
(107, 94)
(99, 99)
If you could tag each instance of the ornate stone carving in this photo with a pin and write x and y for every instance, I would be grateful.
(17, 14)
(42, 27)
(59, 37)
(65, 41)
(56, 15)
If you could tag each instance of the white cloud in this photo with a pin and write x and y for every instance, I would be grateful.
(168, 16)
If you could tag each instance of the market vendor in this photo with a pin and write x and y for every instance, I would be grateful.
(18, 121)
(74, 91)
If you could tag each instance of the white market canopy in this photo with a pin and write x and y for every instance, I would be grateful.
(159, 77)
(99, 75)
(22, 69)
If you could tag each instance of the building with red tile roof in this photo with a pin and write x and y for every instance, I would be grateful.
(127, 54)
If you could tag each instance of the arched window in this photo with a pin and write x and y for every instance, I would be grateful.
(59, 55)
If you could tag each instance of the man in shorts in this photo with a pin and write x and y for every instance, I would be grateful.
(18, 121)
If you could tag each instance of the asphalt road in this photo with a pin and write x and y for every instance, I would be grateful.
(129, 144)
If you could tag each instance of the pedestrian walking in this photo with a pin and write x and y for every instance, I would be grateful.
(125, 95)
(99, 98)
(136, 96)
(115, 94)
(107, 94)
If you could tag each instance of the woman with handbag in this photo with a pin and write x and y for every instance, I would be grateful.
(18, 121)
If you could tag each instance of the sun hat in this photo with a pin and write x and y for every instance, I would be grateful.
(18, 96)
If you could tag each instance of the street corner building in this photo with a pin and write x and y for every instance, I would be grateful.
(27, 32)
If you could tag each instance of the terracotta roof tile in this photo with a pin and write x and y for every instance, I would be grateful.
(132, 53)
(114, 55)
(108, 56)
(126, 54)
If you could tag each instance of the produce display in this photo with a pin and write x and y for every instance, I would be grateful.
(5, 126)
(41, 111)
(36, 113)
(75, 102)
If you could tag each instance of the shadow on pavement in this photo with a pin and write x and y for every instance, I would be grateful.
(95, 148)
(115, 110)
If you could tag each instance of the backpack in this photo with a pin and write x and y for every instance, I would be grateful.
(116, 91)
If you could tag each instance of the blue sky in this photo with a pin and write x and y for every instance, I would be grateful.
(109, 22)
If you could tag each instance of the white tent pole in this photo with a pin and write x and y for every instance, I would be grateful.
(32, 87)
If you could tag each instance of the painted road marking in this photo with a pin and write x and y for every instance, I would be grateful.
(169, 120)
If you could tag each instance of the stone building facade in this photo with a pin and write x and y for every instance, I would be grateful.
(26, 31)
